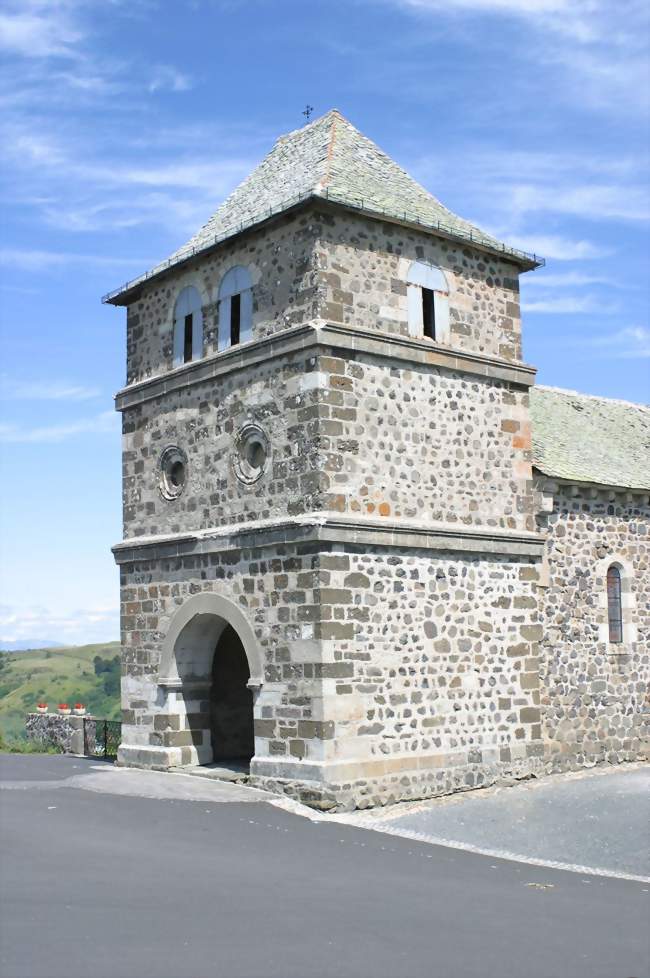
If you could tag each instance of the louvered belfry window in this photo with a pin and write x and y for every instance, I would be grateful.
(614, 608)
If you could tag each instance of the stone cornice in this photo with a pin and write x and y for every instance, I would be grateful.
(549, 485)
(322, 200)
(333, 529)
(318, 335)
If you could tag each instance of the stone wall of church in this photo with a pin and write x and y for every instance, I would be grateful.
(272, 588)
(204, 420)
(438, 688)
(363, 265)
(387, 675)
(426, 444)
(338, 267)
(363, 436)
(595, 694)
(281, 261)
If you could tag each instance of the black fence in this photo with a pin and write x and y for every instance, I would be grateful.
(101, 737)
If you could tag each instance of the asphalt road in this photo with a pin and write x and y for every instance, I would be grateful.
(118, 874)
(596, 820)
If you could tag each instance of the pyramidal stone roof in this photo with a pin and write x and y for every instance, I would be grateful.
(581, 438)
(330, 159)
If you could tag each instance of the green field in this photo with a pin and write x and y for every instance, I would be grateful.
(68, 675)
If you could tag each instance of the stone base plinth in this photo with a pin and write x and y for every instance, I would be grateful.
(421, 783)
(161, 758)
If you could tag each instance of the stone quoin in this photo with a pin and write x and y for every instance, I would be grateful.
(362, 550)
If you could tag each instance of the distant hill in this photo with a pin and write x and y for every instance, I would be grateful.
(33, 644)
(89, 674)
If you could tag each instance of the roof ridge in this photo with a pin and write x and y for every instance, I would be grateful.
(309, 125)
(330, 151)
(593, 397)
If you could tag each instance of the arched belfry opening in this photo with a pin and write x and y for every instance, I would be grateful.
(231, 701)
(210, 674)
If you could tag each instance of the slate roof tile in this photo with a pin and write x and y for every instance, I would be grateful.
(582, 438)
(329, 158)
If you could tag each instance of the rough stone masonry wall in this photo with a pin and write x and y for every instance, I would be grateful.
(438, 687)
(595, 696)
(335, 266)
(425, 444)
(363, 267)
(281, 261)
(386, 675)
(56, 730)
(443, 650)
(204, 420)
(358, 436)
(277, 591)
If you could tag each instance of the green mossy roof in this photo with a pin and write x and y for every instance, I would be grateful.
(331, 159)
(582, 438)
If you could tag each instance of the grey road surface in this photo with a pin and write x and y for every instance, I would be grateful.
(598, 819)
(118, 874)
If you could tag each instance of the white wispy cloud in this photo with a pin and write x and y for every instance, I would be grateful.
(539, 11)
(555, 246)
(622, 202)
(74, 625)
(568, 305)
(62, 178)
(625, 343)
(628, 343)
(105, 423)
(525, 185)
(45, 390)
(54, 38)
(182, 216)
(129, 173)
(563, 280)
(39, 29)
(600, 46)
(166, 78)
(33, 259)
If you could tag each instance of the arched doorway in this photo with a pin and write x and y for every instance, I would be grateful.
(210, 674)
(231, 701)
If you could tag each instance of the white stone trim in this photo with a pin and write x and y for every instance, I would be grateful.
(418, 352)
(424, 275)
(628, 603)
(219, 612)
(334, 528)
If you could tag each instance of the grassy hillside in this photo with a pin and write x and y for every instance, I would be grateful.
(65, 675)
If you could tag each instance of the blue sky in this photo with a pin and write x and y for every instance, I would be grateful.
(127, 121)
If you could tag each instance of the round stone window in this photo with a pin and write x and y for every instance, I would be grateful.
(173, 472)
(251, 454)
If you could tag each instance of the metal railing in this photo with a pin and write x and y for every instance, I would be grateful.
(101, 737)
(355, 203)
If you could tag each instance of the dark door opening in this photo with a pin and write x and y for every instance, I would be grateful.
(231, 702)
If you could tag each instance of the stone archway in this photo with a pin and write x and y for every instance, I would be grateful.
(210, 673)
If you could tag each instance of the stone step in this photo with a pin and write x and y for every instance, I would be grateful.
(227, 771)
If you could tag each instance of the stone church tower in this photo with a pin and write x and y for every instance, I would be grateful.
(330, 549)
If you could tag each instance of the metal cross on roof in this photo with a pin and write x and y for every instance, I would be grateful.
(307, 111)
